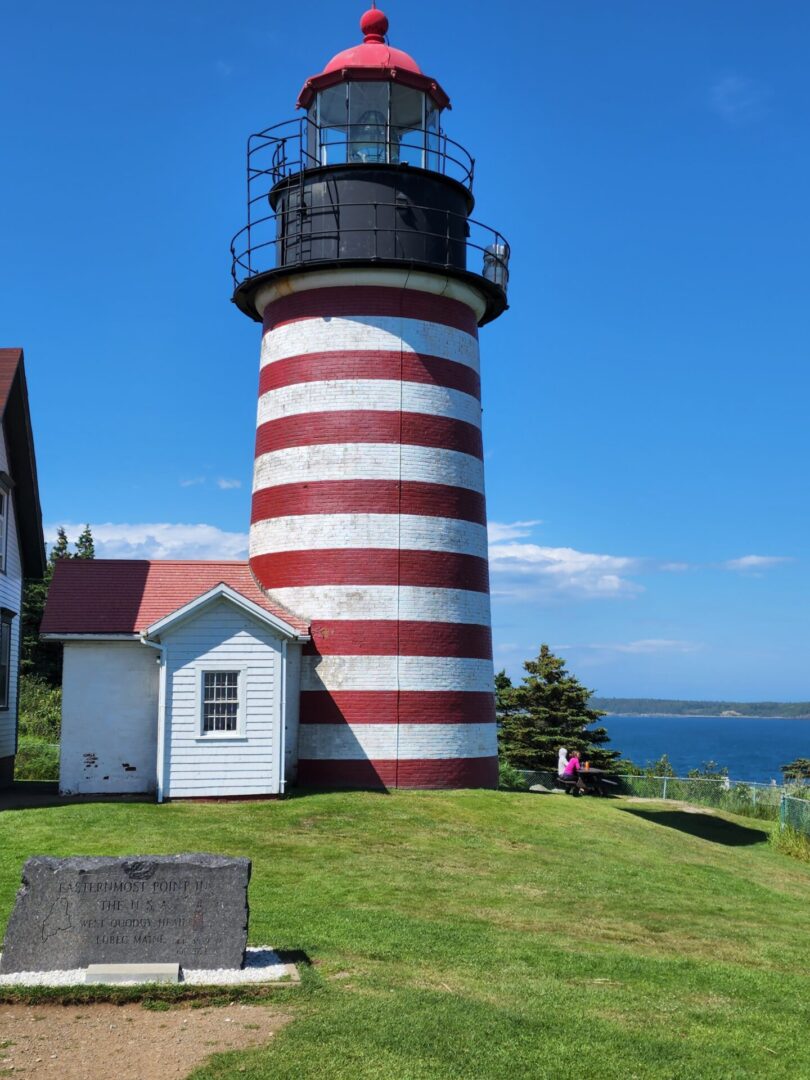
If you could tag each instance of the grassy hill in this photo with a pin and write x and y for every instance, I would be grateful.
(485, 934)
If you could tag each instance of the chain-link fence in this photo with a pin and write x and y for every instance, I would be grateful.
(794, 813)
(749, 799)
(789, 805)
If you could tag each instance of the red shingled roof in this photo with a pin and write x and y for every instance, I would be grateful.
(21, 460)
(125, 596)
(9, 362)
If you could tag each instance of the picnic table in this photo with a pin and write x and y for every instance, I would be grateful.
(595, 781)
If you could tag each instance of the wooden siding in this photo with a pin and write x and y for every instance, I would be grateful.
(222, 637)
(11, 597)
(109, 718)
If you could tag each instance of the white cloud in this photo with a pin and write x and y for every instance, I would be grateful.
(160, 540)
(515, 530)
(674, 567)
(192, 481)
(753, 563)
(738, 100)
(646, 646)
(227, 485)
(522, 571)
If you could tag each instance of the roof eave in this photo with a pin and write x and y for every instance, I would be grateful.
(369, 74)
(23, 468)
(222, 591)
(55, 635)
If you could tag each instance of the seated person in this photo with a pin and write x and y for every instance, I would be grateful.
(572, 771)
(562, 761)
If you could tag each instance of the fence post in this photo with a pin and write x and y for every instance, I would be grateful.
(664, 793)
(782, 811)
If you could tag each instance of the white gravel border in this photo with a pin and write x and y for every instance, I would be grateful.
(261, 966)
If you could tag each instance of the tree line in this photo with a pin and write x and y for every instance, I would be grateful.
(43, 659)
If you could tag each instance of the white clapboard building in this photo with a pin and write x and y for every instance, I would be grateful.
(179, 679)
(22, 549)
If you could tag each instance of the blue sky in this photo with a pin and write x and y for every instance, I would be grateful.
(645, 395)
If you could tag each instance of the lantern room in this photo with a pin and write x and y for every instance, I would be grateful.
(373, 105)
(367, 175)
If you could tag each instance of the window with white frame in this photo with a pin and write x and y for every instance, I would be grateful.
(5, 657)
(220, 702)
(4, 497)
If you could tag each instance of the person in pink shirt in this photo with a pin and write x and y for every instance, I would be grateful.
(572, 770)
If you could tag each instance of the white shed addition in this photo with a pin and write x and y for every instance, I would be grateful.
(198, 702)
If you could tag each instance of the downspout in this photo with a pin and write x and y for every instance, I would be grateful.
(282, 776)
(161, 718)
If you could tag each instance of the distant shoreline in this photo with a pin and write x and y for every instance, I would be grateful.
(703, 716)
(743, 710)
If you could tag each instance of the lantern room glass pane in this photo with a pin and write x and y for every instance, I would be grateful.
(332, 119)
(407, 126)
(311, 142)
(368, 122)
(432, 130)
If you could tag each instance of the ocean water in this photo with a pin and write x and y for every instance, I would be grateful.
(751, 748)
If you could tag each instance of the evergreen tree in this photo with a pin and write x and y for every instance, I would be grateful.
(797, 771)
(44, 658)
(504, 696)
(548, 710)
(85, 548)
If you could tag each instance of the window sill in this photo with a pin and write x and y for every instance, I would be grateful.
(219, 738)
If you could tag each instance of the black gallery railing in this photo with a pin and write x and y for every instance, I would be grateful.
(386, 231)
(288, 148)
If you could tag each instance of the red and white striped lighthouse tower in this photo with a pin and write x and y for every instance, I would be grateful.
(370, 279)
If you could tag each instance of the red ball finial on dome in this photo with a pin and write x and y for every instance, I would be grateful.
(374, 25)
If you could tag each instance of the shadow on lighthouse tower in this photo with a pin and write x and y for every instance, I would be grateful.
(370, 279)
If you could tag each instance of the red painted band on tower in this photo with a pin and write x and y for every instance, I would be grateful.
(389, 637)
(417, 773)
(347, 364)
(369, 426)
(369, 497)
(396, 706)
(371, 566)
(369, 300)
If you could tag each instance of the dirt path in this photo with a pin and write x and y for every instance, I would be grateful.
(126, 1042)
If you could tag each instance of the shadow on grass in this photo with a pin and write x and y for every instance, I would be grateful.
(706, 826)
(31, 794)
(38, 794)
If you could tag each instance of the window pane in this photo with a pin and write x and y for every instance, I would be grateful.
(311, 140)
(407, 135)
(332, 117)
(3, 529)
(5, 661)
(368, 119)
(432, 137)
(220, 700)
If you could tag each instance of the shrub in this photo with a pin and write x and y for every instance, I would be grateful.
(710, 771)
(792, 842)
(37, 759)
(510, 778)
(40, 709)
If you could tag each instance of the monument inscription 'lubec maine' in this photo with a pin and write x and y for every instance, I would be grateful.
(188, 909)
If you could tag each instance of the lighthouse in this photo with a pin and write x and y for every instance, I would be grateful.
(370, 277)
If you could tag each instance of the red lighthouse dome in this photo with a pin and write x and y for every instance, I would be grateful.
(375, 60)
(373, 52)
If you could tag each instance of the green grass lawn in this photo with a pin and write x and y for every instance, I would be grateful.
(492, 934)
